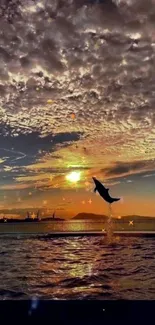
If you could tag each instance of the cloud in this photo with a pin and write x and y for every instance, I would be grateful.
(24, 149)
(83, 60)
(128, 168)
(73, 51)
(14, 187)
(22, 153)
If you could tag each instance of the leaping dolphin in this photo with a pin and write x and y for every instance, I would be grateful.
(104, 192)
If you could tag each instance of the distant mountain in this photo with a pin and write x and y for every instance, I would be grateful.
(94, 217)
(136, 218)
(89, 216)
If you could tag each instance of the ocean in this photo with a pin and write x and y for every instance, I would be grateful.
(32, 265)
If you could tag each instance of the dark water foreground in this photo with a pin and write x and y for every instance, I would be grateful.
(76, 267)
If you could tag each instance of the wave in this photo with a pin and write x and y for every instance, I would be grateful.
(76, 268)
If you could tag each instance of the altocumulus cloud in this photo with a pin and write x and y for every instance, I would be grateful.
(64, 57)
(120, 168)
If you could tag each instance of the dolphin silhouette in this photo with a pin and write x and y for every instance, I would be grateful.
(104, 192)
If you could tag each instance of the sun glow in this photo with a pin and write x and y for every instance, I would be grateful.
(73, 177)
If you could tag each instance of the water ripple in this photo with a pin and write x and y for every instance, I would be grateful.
(77, 268)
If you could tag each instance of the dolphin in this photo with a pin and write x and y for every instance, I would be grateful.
(104, 192)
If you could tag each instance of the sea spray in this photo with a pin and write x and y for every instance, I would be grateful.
(110, 226)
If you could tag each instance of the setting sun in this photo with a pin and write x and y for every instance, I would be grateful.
(73, 177)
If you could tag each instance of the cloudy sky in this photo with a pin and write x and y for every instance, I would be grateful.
(77, 93)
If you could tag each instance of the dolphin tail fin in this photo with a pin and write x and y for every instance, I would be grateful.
(114, 200)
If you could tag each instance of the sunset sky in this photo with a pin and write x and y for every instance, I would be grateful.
(77, 94)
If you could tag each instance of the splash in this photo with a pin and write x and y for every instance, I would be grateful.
(110, 226)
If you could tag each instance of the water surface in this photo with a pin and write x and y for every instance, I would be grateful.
(76, 267)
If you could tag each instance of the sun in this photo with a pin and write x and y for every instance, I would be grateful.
(73, 177)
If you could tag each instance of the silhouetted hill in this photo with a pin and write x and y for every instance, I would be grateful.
(124, 219)
(90, 216)
(136, 218)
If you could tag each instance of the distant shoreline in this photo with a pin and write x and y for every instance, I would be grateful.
(83, 217)
(118, 219)
(6, 221)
